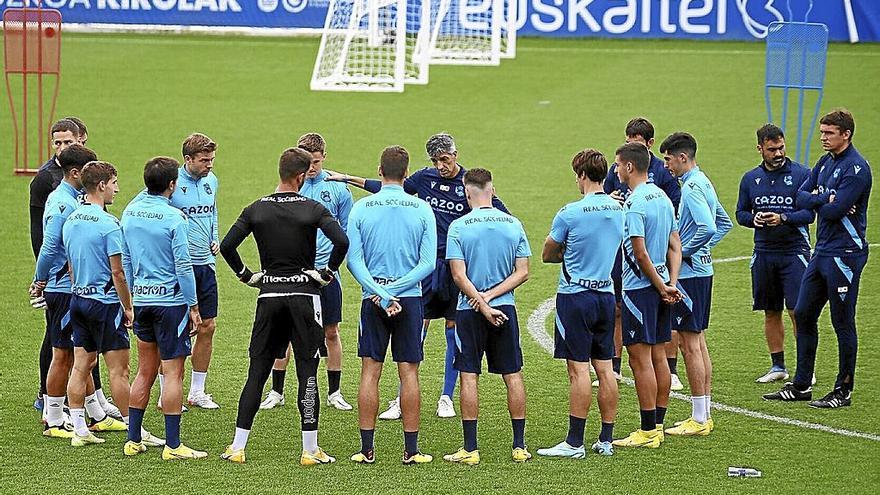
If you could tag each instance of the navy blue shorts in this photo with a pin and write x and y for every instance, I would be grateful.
(58, 319)
(97, 326)
(617, 276)
(439, 293)
(474, 336)
(646, 319)
(584, 327)
(776, 280)
(331, 302)
(691, 314)
(403, 331)
(206, 290)
(167, 326)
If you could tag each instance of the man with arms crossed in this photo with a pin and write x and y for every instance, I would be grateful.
(488, 254)
(393, 248)
(586, 237)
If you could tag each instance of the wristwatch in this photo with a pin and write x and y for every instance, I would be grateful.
(783, 217)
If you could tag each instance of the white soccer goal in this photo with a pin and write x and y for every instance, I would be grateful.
(382, 45)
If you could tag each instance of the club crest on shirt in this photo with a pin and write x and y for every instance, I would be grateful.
(325, 196)
(459, 190)
(651, 177)
(787, 180)
(208, 189)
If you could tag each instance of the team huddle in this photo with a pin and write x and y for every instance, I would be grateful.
(636, 272)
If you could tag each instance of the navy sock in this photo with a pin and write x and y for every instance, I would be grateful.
(519, 433)
(615, 364)
(278, 381)
(172, 430)
(661, 415)
(575, 431)
(470, 434)
(411, 442)
(450, 374)
(333, 378)
(673, 365)
(778, 359)
(607, 432)
(649, 419)
(135, 422)
(367, 440)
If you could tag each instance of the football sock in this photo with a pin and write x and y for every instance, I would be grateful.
(102, 399)
(661, 415)
(172, 430)
(450, 374)
(278, 381)
(607, 432)
(333, 379)
(615, 364)
(96, 375)
(45, 361)
(310, 441)
(197, 385)
(698, 408)
(649, 419)
(673, 365)
(778, 359)
(519, 433)
(78, 417)
(575, 436)
(367, 440)
(54, 410)
(94, 409)
(241, 438)
(411, 442)
(135, 424)
(708, 406)
(161, 385)
(470, 434)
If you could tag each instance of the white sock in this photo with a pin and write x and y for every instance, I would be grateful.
(93, 407)
(101, 398)
(197, 386)
(310, 441)
(241, 438)
(708, 406)
(78, 416)
(161, 385)
(125, 420)
(698, 408)
(54, 410)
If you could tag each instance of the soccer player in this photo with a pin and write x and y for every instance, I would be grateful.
(640, 130)
(488, 254)
(441, 187)
(337, 198)
(767, 203)
(652, 259)
(100, 307)
(52, 282)
(393, 245)
(586, 237)
(702, 224)
(837, 189)
(285, 227)
(166, 312)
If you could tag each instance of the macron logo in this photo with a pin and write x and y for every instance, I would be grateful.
(858, 168)
(757, 180)
(678, 318)
(433, 184)
(632, 334)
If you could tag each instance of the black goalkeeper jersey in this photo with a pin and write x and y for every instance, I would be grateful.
(285, 228)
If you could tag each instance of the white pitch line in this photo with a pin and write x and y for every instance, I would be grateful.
(539, 316)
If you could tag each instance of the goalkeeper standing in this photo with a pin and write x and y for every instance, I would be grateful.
(285, 226)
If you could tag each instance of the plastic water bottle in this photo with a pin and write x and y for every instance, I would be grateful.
(743, 472)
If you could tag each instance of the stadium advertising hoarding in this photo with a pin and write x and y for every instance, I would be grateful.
(695, 19)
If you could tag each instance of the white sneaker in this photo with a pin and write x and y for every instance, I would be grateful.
(393, 411)
(676, 384)
(775, 374)
(111, 410)
(151, 440)
(273, 399)
(445, 408)
(813, 382)
(336, 400)
(203, 400)
(617, 376)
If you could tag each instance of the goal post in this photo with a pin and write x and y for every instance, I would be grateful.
(466, 32)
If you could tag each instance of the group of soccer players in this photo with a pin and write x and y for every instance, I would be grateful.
(435, 244)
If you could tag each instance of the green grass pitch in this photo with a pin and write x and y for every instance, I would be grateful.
(141, 95)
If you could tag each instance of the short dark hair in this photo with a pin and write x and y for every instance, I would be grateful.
(197, 143)
(590, 163)
(640, 126)
(394, 162)
(293, 162)
(311, 142)
(680, 142)
(636, 153)
(79, 123)
(769, 132)
(478, 177)
(65, 125)
(75, 157)
(96, 172)
(841, 118)
(159, 172)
